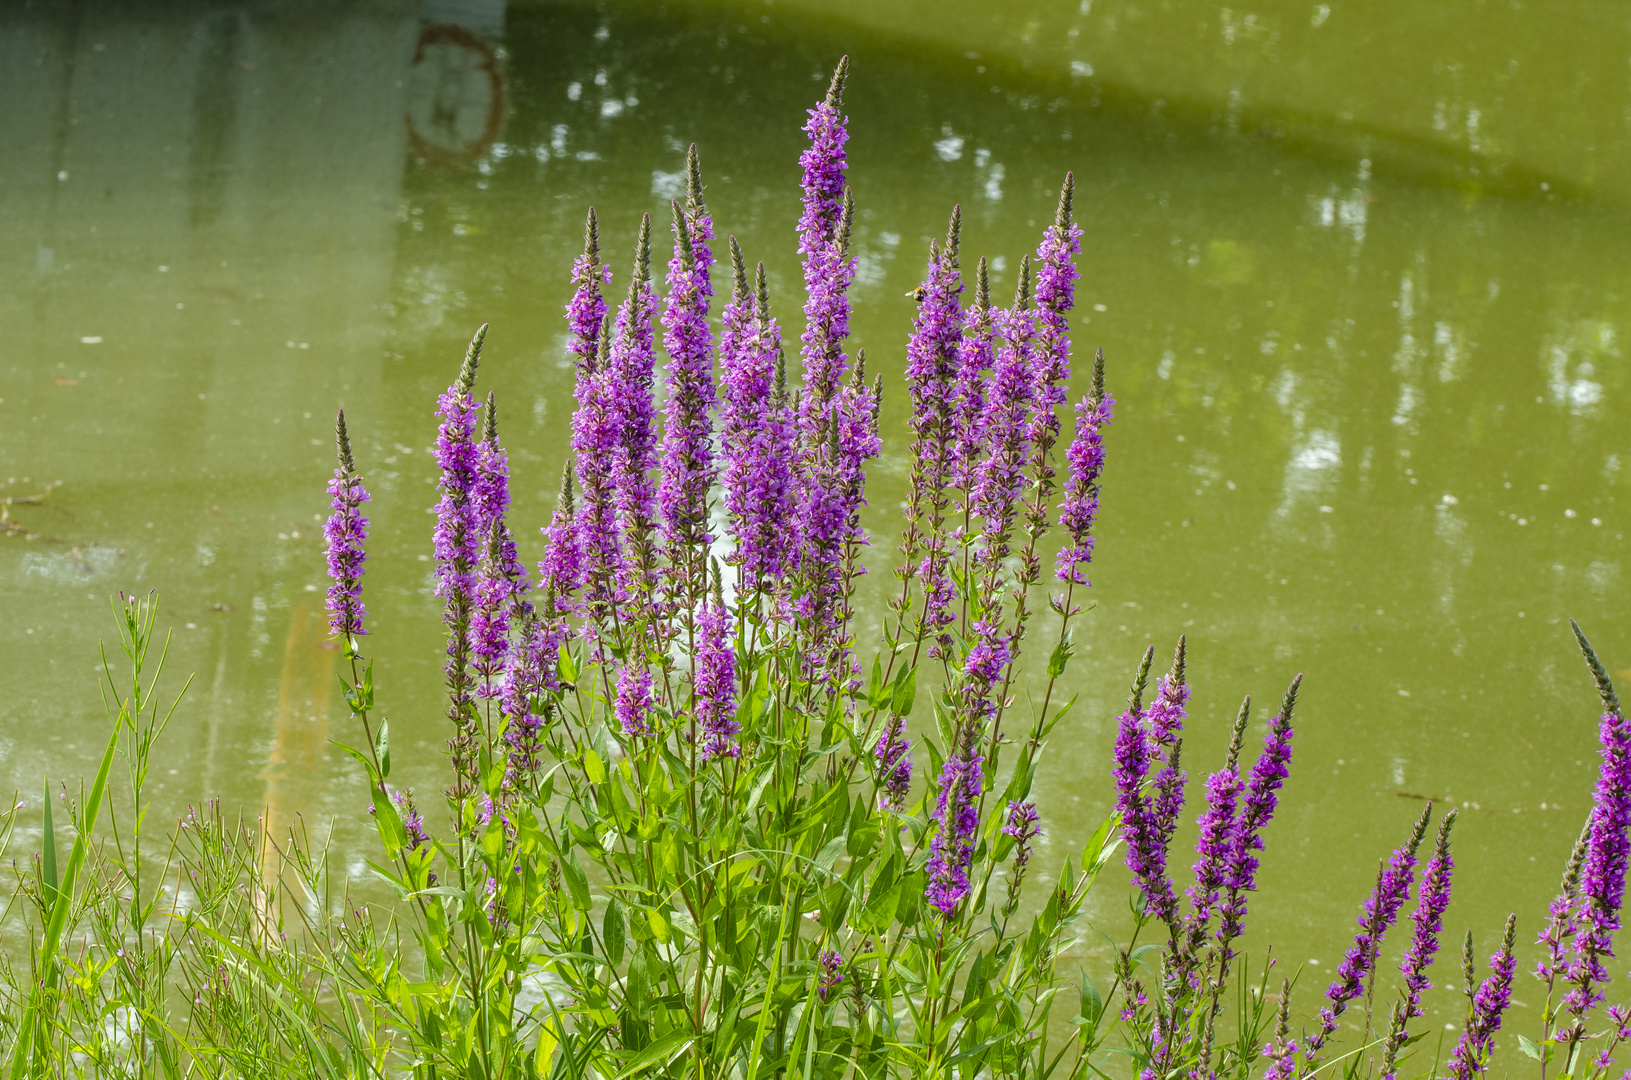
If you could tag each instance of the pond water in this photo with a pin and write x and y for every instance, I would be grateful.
(1366, 394)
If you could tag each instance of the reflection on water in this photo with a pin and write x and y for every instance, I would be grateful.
(1366, 425)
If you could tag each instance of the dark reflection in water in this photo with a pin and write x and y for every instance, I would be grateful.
(1367, 423)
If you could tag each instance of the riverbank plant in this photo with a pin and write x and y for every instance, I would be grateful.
(702, 821)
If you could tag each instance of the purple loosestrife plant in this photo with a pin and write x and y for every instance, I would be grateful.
(1602, 876)
(976, 352)
(687, 451)
(1056, 276)
(1262, 798)
(633, 707)
(715, 689)
(344, 534)
(893, 766)
(756, 430)
(824, 242)
(629, 376)
(1218, 827)
(1393, 881)
(1432, 899)
(664, 811)
(1086, 458)
(458, 544)
(1000, 477)
(931, 371)
(1147, 737)
(1494, 994)
(501, 582)
(1024, 826)
(596, 436)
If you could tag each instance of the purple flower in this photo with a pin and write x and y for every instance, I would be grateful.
(458, 543)
(1086, 458)
(1602, 879)
(975, 355)
(1217, 837)
(829, 528)
(633, 412)
(1023, 826)
(985, 668)
(756, 428)
(1471, 1055)
(1381, 911)
(824, 227)
(931, 368)
(596, 434)
(832, 972)
(344, 534)
(893, 755)
(1000, 476)
(1429, 919)
(501, 583)
(715, 687)
(633, 706)
(1147, 737)
(1056, 275)
(1561, 920)
(957, 819)
(687, 453)
(1257, 810)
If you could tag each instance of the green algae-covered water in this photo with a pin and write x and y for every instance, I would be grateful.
(1360, 281)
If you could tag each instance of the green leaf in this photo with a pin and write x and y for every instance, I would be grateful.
(568, 670)
(905, 692)
(593, 767)
(48, 856)
(1061, 656)
(659, 1053)
(1092, 1003)
(577, 883)
(1529, 1048)
(614, 931)
(1094, 850)
(389, 822)
(382, 747)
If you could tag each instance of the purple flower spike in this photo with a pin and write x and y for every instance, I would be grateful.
(1393, 883)
(1262, 798)
(1471, 1055)
(1602, 878)
(931, 370)
(957, 816)
(596, 433)
(1056, 276)
(458, 543)
(1218, 835)
(829, 526)
(832, 972)
(976, 351)
(1086, 458)
(756, 426)
(1429, 919)
(629, 378)
(687, 452)
(501, 584)
(344, 535)
(1148, 737)
(824, 229)
(633, 707)
(893, 755)
(1023, 826)
(1000, 476)
(715, 689)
